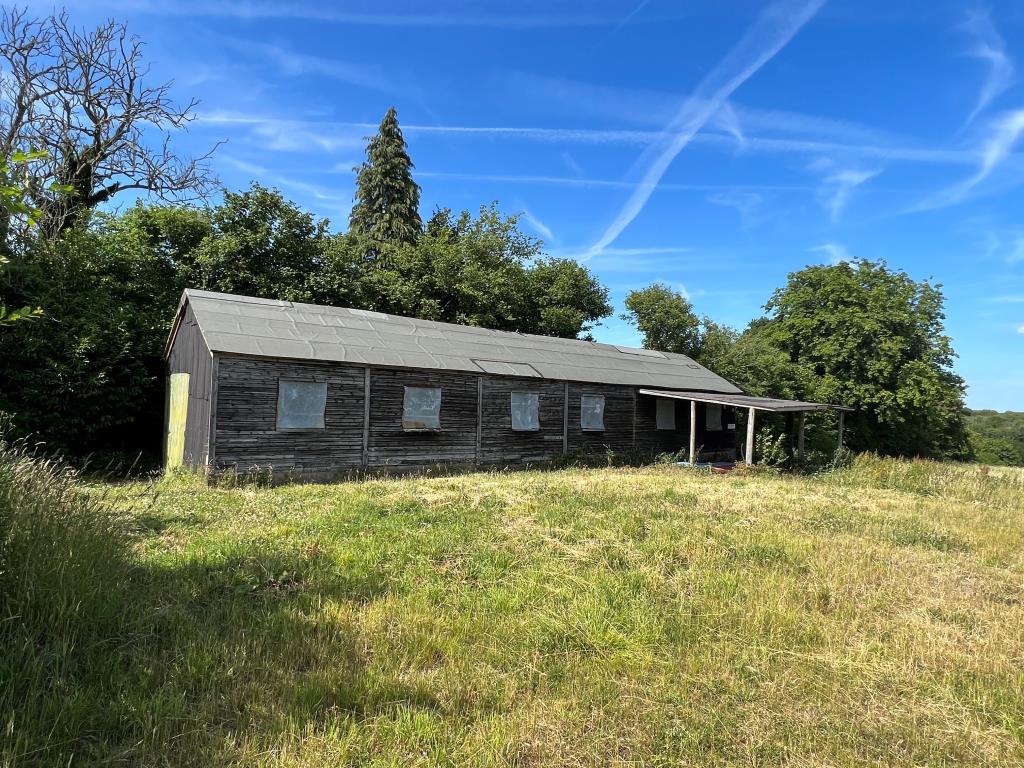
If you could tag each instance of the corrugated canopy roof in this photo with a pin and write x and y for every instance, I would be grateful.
(269, 328)
(771, 404)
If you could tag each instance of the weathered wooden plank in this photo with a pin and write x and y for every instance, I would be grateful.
(366, 417)
(391, 445)
(247, 434)
(617, 434)
(500, 444)
(363, 419)
(189, 354)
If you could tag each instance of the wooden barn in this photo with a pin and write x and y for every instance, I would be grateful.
(312, 392)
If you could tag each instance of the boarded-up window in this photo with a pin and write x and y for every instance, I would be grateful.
(525, 411)
(713, 417)
(301, 404)
(666, 413)
(421, 408)
(592, 413)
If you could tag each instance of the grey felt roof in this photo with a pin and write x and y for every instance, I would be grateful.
(771, 404)
(284, 329)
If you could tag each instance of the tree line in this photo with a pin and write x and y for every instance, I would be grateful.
(86, 375)
(997, 438)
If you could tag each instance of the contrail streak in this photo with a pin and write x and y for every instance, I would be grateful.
(776, 26)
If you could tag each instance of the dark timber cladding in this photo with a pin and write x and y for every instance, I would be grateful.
(246, 430)
(499, 443)
(317, 391)
(392, 446)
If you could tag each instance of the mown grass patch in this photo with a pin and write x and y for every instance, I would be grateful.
(651, 616)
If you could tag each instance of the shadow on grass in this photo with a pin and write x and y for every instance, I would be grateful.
(190, 661)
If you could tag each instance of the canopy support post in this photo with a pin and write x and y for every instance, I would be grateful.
(749, 458)
(693, 432)
(800, 438)
(840, 443)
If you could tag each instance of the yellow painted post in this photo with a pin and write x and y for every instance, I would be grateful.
(177, 413)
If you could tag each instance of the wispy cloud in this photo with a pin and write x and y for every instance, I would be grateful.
(1016, 251)
(988, 46)
(834, 252)
(645, 107)
(641, 138)
(630, 259)
(573, 181)
(748, 204)
(296, 64)
(770, 33)
(993, 241)
(571, 163)
(275, 137)
(632, 14)
(1020, 329)
(726, 119)
(1006, 131)
(1003, 133)
(653, 251)
(1016, 299)
(539, 226)
(314, 191)
(838, 185)
(440, 15)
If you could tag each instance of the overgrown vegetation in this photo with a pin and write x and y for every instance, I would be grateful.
(651, 616)
(998, 438)
(857, 334)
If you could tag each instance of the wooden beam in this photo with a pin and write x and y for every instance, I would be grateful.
(479, 415)
(749, 457)
(800, 438)
(565, 419)
(211, 453)
(366, 416)
(693, 432)
(633, 442)
(841, 416)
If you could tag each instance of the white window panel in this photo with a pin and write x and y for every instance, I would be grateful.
(666, 413)
(592, 413)
(525, 411)
(301, 404)
(421, 408)
(713, 417)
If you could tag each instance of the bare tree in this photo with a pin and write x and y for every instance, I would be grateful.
(81, 97)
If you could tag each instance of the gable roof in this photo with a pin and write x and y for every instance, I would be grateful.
(282, 329)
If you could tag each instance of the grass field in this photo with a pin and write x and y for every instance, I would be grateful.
(656, 616)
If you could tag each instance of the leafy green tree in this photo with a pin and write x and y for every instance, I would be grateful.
(873, 338)
(995, 450)
(261, 244)
(14, 205)
(481, 271)
(668, 322)
(997, 437)
(387, 200)
(665, 318)
(563, 298)
(86, 377)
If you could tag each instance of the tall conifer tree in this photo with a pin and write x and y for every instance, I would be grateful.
(387, 200)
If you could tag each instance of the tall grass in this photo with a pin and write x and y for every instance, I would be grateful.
(65, 581)
(615, 616)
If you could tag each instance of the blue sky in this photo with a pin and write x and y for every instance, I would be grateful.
(713, 146)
